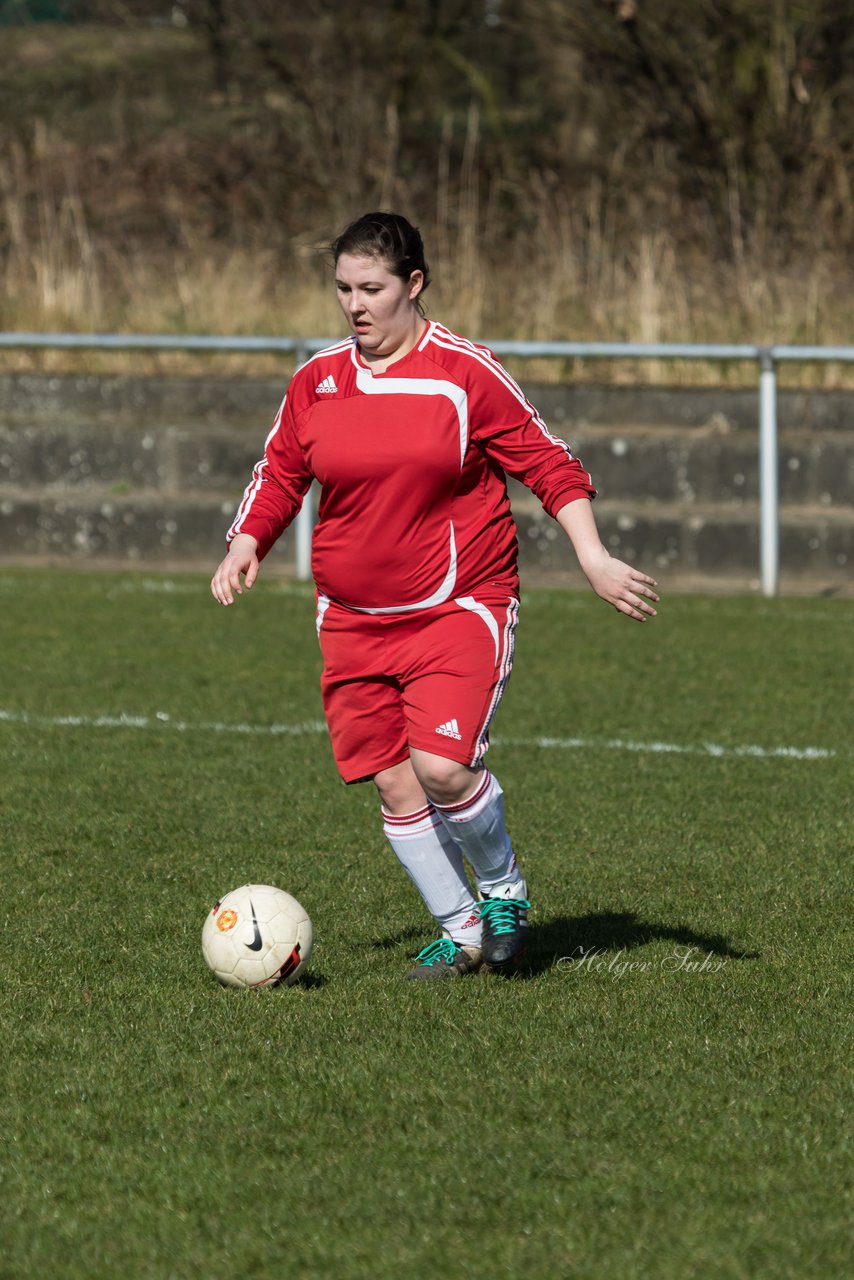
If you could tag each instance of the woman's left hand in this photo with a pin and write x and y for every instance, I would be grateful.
(628, 590)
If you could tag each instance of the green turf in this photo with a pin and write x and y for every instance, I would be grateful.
(611, 1111)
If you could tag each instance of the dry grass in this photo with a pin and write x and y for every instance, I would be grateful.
(56, 279)
(86, 247)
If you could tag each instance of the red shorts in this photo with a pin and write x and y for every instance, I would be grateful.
(431, 679)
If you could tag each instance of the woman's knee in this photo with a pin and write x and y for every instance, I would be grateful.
(444, 781)
(399, 789)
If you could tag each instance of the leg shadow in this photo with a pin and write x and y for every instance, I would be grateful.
(572, 938)
(412, 934)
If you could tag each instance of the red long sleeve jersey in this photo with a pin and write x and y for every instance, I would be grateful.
(412, 465)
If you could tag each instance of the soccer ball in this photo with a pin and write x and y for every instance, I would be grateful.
(257, 936)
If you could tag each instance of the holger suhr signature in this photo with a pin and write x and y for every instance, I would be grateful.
(618, 963)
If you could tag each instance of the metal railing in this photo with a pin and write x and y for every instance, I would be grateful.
(766, 358)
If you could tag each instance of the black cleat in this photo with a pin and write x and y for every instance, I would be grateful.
(505, 930)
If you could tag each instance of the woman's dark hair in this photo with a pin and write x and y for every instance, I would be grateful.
(388, 236)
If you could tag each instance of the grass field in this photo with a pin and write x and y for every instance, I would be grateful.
(663, 1091)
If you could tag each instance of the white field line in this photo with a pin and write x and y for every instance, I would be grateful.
(162, 720)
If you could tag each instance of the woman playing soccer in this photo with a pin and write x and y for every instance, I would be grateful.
(410, 431)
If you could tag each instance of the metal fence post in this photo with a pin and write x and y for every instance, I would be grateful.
(304, 523)
(769, 514)
(303, 528)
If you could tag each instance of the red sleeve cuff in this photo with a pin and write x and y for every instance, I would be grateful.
(570, 494)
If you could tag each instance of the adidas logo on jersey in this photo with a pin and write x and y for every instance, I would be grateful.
(450, 729)
(326, 388)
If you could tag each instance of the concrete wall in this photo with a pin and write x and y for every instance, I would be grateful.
(148, 471)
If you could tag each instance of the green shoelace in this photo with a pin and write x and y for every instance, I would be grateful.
(503, 913)
(436, 952)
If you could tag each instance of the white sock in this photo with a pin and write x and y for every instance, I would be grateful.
(477, 826)
(434, 864)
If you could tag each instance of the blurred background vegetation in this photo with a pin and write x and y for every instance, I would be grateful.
(676, 170)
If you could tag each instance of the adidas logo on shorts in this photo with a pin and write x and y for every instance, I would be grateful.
(326, 387)
(450, 729)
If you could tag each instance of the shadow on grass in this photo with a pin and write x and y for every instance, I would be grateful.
(311, 981)
(572, 938)
(412, 934)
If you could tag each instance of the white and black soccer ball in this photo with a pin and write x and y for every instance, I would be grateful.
(257, 936)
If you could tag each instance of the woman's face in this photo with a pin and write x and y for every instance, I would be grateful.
(380, 307)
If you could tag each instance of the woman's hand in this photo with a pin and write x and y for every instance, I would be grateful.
(628, 590)
(242, 559)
